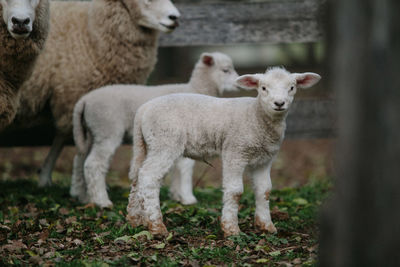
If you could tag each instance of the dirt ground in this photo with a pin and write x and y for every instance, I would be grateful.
(298, 162)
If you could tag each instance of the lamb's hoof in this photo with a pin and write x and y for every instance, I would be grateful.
(184, 200)
(134, 221)
(45, 183)
(104, 204)
(84, 199)
(265, 226)
(230, 229)
(191, 200)
(158, 229)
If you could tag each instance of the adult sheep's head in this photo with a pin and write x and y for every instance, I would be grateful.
(19, 16)
(277, 87)
(160, 15)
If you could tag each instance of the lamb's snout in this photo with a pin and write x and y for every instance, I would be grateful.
(174, 18)
(279, 104)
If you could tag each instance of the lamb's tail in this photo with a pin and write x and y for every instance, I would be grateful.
(139, 148)
(81, 137)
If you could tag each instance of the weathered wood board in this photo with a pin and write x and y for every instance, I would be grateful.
(232, 22)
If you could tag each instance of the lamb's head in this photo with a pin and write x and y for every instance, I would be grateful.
(277, 87)
(218, 70)
(159, 15)
(19, 16)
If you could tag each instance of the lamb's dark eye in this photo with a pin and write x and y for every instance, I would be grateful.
(264, 88)
(225, 70)
(291, 88)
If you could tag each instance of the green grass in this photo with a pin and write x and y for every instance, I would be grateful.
(47, 227)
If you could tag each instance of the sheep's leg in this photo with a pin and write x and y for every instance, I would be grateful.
(144, 201)
(50, 161)
(232, 184)
(262, 188)
(96, 168)
(78, 185)
(181, 188)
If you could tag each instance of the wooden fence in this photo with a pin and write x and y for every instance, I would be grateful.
(219, 22)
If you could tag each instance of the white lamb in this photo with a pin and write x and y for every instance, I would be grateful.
(246, 132)
(103, 117)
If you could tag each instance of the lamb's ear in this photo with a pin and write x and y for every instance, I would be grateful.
(207, 59)
(307, 79)
(248, 82)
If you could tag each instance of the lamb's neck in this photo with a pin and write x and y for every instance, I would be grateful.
(270, 121)
(200, 83)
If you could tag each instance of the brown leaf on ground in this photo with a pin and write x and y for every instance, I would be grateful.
(44, 235)
(77, 242)
(87, 206)
(70, 220)
(63, 211)
(14, 245)
(276, 214)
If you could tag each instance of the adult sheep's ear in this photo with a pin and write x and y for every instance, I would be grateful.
(3, 3)
(207, 59)
(307, 79)
(35, 3)
(248, 82)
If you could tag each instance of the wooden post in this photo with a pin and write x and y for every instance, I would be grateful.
(361, 224)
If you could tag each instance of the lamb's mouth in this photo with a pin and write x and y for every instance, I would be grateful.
(170, 27)
(279, 109)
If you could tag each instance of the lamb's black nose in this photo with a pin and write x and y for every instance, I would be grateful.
(173, 17)
(20, 22)
(279, 104)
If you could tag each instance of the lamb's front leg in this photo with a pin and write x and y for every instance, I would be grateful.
(262, 188)
(232, 184)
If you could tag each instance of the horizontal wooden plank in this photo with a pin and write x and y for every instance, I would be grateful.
(307, 119)
(232, 22)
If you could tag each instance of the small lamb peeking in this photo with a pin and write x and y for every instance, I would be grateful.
(103, 117)
(246, 132)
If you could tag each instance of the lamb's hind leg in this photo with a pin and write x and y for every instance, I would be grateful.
(262, 188)
(144, 200)
(96, 168)
(50, 161)
(78, 185)
(232, 184)
(181, 188)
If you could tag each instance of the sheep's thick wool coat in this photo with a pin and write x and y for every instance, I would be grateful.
(17, 58)
(90, 45)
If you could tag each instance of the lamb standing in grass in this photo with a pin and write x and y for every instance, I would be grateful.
(103, 117)
(23, 31)
(90, 45)
(246, 132)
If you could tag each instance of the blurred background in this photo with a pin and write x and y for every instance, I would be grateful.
(299, 161)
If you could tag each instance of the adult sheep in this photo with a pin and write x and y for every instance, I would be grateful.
(23, 30)
(90, 45)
